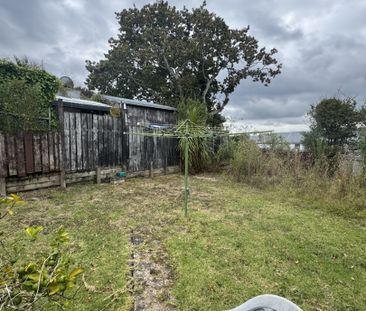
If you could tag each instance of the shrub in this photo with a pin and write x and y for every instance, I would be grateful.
(246, 160)
(20, 107)
(32, 75)
(28, 279)
(226, 149)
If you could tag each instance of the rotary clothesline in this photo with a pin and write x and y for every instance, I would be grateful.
(187, 130)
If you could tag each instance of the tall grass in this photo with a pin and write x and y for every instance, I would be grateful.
(332, 184)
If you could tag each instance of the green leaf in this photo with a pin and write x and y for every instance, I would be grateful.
(33, 231)
(61, 236)
(16, 198)
(55, 287)
(74, 273)
(33, 277)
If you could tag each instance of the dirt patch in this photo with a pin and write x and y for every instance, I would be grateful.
(151, 276)
(213, 179)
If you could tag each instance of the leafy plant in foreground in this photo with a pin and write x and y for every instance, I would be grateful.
(27, 282)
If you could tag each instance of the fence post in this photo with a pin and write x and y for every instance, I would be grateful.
(165, 164)
(3, 165)
(98, 173)
(151, 171)
(125, 136)
(2, 186)
(60, 112)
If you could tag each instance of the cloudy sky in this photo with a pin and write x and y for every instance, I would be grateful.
(321, 43)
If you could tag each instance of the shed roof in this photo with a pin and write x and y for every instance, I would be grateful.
(135, 102)
(93, 105)
(83, 104)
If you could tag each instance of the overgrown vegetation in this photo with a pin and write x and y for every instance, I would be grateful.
(33, 75)
(20, 108)
(313, 178)
(27, 92)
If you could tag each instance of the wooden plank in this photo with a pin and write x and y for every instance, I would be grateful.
(79, 150)
(19, 188)
(72, 142)
(125, 138)
(102, 141)
(60, 141)
(12, 163)
(37, 149)
(28, 150)
(51, 150)
(66, 150)
(107, 137)
(90, 164)
(114, 142)
(110, 140)
(95, 141)
(3, 158)
(2, 186)
(32, 179)
(44, 153)
(84, 141)
(98, 175)
(20, 154)
(56, 141)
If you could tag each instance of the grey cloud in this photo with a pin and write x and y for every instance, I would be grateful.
(321, 45)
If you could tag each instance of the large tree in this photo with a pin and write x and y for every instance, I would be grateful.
(168, 55)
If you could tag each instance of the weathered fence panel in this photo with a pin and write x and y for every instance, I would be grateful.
(26, 153)
(144, 150)
(92, 140)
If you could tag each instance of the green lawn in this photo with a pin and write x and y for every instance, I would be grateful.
(238, 242)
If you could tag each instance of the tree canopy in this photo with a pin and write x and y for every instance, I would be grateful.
(334, 124)
(168, 55)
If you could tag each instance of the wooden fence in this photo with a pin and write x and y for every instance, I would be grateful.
(92, 140)
(84, 144)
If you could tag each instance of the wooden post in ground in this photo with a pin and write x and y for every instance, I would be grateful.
(3, 165)
(98, 172)
(2, 186)
(60, 112)
(151, 172)
(165, 165)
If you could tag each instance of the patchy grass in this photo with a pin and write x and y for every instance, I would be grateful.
(237, 242)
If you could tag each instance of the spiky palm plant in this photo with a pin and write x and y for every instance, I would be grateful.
(193, 116)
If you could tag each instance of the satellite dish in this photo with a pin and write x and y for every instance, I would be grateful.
(67, 82)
